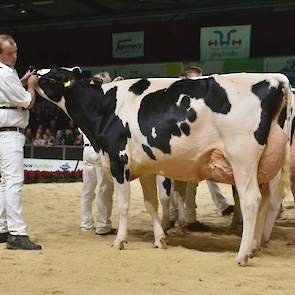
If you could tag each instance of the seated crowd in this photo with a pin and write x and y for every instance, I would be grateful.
(49, 126)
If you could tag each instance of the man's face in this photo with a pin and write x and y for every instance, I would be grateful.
(8, 55)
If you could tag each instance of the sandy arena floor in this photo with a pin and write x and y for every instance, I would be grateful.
(82, 263)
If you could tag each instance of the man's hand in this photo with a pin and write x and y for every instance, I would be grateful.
(26, 76)
(33, 81)
(32, 84)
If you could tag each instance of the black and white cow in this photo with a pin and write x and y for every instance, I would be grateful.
(169, 127)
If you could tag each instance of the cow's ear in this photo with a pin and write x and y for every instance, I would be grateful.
(95, 82)
(77, 73)
(68, 84)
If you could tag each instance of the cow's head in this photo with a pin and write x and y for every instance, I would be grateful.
(53, 82)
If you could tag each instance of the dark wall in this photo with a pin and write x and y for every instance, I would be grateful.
(272, 34)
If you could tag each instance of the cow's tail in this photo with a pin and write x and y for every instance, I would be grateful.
(284, 185)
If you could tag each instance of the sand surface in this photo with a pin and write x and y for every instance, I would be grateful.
(75, 262)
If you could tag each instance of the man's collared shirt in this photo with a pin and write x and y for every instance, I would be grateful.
(13, 94)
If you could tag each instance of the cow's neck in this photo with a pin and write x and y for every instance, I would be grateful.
(93, 121)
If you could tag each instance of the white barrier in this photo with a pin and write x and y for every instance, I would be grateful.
(51, 165)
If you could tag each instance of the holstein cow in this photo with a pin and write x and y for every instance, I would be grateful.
(169, 127)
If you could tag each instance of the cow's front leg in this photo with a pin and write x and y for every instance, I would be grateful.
(123, 194)
(148, 184)
(165, 190)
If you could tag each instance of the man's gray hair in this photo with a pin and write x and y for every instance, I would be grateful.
(5, 37)
(104, 77)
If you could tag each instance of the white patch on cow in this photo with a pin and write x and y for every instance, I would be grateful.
(180, 122)
(154, 134)
(122, 153)
(61, 104)
(72, 69)
(179, 99)
(43, 72)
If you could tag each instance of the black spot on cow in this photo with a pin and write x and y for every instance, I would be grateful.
(140, 86)
(127, 174)
(185, 128)
(185, 102)
(167, 186)
(148, 151)
(270, 100)
(124, 159)
(161, 110)
(282, 117)
(191, 115)
(292, 129)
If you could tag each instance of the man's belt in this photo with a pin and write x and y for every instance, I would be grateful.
(12, 108)
(21, 130)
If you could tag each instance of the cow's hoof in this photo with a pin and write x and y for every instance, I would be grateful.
(160, 243)
(242, 260)
(119, 244)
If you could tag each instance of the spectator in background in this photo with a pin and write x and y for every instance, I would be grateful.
(192, 72)
(39, 138)
(47, 139)
(52, 126)
(59, 138)
(104, 77)
(29, 136)
(69, 137)
(78, 140)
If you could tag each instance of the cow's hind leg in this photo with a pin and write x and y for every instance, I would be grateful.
(261, 216)
(244, 161)
(148, 184)
(123, 194)
(277, 194)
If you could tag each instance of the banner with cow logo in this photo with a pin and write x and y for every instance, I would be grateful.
(230, 42)
(128, 45)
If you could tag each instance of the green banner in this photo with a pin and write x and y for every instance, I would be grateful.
(230, 42)
(243, 65)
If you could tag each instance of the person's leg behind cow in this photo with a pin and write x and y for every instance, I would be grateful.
(165, 188)
(104, 202)
(190, 206)
(87, 193)
(219, 200)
